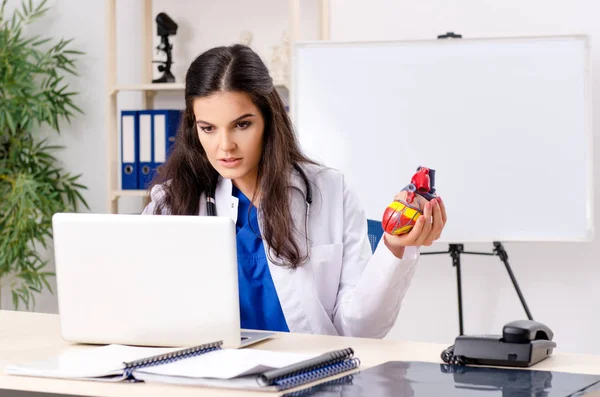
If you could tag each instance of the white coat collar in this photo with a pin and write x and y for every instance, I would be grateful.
(227, 203)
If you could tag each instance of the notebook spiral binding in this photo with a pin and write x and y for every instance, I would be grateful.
(316, 374)
(334, 363)
(170, 357)
(334, 386)
(267, 378)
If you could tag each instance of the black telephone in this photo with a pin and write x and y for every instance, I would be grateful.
(523, 343)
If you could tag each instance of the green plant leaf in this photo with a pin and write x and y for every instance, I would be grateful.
(34, 94)
(44, 276)
(11, 123)
(15, 299)
(41, 42)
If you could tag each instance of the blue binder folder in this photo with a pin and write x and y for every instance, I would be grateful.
(165, 125)
(145, 148)
(129, 149)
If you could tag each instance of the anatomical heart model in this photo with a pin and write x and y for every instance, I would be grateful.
(408, 205)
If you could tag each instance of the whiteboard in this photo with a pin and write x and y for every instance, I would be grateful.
(504, 122)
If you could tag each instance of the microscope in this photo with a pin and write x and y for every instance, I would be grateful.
(165, 27)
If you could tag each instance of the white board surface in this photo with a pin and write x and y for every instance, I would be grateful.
(504, 122)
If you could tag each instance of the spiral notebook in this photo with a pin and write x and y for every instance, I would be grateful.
(275, 371)
(205, 365)
(106, 363)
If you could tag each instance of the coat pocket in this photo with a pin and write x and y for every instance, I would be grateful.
(326, 263)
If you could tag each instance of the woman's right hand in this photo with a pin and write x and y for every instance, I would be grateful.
(427, 229)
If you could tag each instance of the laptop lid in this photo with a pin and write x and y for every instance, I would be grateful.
(146, 279)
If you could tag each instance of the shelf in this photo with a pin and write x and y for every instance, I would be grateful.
(166, 87)
(280, 84)
(149, 87)
(130, 193)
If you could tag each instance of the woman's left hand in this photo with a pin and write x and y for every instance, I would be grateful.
(427, 229)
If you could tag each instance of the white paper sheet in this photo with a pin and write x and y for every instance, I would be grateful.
(227, 363)
(86, 363)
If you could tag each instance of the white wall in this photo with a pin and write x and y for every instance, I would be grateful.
(559, 281)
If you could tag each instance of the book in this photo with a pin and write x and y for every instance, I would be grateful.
(206, 365)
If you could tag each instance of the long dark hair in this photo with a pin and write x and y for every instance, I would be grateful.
(188, 173)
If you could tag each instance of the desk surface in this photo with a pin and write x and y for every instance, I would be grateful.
(35, 336)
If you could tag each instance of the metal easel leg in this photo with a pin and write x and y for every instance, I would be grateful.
(455, 250)
(501, 252)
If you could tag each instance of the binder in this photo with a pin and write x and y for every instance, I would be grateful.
(165, 125)
(145, 148)
(157, 131)
(129, 149)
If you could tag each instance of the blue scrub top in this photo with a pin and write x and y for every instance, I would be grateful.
(259, 304)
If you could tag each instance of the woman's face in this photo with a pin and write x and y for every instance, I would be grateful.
(231, 129)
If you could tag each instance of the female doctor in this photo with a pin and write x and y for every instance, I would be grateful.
(301, 271)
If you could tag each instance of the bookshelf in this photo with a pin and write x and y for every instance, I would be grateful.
(114, 191)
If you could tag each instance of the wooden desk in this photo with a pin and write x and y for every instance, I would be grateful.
(35, 336)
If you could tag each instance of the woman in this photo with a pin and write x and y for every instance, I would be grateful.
(299, 270)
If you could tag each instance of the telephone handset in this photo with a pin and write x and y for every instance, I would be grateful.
(523, 343)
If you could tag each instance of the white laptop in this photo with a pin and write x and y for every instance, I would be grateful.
(148, 280)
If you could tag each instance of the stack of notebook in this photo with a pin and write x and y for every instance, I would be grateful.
(205, 365)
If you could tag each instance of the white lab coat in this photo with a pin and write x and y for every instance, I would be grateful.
(343, 289)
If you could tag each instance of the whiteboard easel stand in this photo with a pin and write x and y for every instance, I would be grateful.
(456, 249)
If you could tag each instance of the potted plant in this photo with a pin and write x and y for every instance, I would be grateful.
(33, 186)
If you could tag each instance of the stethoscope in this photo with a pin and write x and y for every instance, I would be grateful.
(211, 204)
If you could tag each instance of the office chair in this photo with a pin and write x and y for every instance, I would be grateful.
(375, 231)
